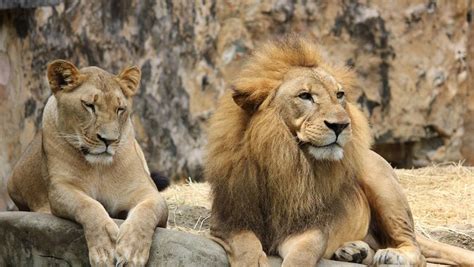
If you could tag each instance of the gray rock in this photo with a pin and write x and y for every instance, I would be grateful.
(38, 239)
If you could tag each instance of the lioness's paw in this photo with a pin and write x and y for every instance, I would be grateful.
(101, 255)
(101, 242)
(133, 245)
(356, 251)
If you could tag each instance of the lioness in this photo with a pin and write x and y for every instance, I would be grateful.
(292, 173)
(86, 165)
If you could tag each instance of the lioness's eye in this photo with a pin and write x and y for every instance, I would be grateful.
(120, 110)
(89, 106)
(340, 94)
(306, 96)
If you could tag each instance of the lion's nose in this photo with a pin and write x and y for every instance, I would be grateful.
(336, 127)
(107, 141)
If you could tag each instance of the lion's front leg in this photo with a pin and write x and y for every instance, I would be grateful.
(136, 233)
(243, 248)
(304, 249)
(100, 230)
(392, 222)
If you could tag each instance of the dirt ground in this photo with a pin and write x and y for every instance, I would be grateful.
(441, 198)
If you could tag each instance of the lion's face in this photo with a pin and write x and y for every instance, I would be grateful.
(312, 104)
(93, 108)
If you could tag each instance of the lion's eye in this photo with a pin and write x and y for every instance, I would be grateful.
(340, 95)
(89, 106)
(120, 110)
(306, 96)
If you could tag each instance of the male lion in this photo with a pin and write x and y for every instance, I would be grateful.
(292, 173)
(86, 164)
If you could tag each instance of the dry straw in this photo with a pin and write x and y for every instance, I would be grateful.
(441, 197)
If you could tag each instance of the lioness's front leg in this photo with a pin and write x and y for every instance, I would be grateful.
(392, 224)
(100, 230)
(304, 249)
(136, 233)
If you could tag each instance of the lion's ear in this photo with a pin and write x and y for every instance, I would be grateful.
(130, 80)
(242, 100)
(248, 101)
(63, 76)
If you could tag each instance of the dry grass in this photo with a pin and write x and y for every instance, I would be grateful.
(189, 207)
(190, 194)
(441, 198)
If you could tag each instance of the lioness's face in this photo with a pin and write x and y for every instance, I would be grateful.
(93, 113)
(313, 104)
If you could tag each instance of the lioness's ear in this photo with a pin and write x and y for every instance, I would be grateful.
(129, 78)
(63, 75)
(248, 100)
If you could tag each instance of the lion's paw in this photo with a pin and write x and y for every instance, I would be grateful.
(258, 259)
(356, 251)
(262, 261)
(403, 256)
(133, 246)
(390, 256)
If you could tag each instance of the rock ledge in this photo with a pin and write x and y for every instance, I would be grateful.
(38, 239)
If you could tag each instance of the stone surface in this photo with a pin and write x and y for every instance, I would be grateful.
(10, 4)
(414, 60)
(36, 239)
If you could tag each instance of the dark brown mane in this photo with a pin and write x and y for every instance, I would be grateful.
(261, 180)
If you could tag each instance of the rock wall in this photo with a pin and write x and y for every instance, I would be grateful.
(467, 148)
(412, 58)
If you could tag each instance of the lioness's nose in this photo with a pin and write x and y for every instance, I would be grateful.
(336, 127)
(107, 141)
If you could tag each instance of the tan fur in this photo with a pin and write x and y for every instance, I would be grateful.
(71, 171)
(275, 172)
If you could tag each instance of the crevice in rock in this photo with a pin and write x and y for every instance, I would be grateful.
(56, 258)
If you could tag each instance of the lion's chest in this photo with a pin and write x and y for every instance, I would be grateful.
(344, 215)
(352, 225)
